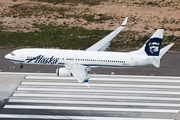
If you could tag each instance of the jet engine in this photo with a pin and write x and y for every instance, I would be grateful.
(63, 72)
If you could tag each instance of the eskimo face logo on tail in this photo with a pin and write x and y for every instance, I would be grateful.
(152, 47)
(40, 59)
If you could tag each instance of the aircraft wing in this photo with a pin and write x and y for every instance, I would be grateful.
(104, 43)
(80, 72)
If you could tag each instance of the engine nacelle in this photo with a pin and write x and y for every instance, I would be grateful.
(63, 72)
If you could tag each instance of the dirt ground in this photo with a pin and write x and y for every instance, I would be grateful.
(144, 16)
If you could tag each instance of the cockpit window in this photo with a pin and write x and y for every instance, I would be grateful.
(12, 54)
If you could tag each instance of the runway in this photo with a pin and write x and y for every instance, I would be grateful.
(109, 97)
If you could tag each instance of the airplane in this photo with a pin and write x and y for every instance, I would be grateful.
(78, 63)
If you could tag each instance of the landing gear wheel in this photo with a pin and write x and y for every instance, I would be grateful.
(21, 67)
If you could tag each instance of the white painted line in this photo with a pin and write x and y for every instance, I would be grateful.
(92, 102)
(90, 108)
(104, 79)
(99, 91)
(72, 117)
(94, 96)
(99, 85)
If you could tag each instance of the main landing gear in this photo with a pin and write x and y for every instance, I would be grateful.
(21, 66)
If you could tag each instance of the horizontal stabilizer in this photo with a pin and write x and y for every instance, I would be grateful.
(165, 49)
(155, 61)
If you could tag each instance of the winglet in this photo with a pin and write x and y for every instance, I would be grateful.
(124, 22)
(87, 79)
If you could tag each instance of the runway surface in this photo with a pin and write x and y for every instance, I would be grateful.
(109, 97)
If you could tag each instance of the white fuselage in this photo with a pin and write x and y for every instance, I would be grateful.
(86, 58)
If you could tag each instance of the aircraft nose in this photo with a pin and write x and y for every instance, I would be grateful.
(6, 56)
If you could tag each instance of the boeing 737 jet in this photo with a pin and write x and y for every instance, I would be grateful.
(79, 62)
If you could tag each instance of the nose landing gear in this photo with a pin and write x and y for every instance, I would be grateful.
(21, 66)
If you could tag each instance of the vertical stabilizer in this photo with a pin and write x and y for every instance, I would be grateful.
(153, 45)
(152, 48)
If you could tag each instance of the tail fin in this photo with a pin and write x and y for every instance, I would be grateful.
(152, 48)
(153, 45)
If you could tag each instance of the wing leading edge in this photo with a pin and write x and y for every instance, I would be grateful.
(104, 43)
